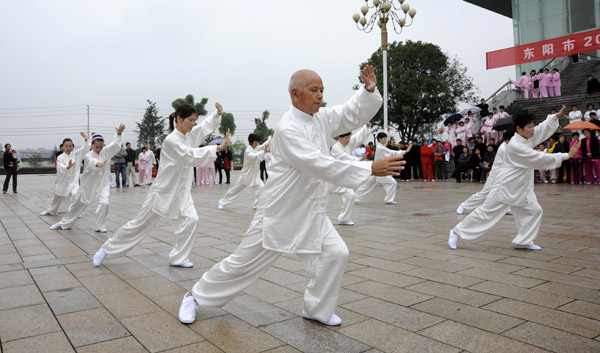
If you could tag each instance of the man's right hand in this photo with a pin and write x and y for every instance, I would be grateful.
(387, 166)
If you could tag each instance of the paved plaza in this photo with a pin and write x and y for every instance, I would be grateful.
(404, 290)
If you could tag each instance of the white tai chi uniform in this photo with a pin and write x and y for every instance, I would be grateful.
(102, 199)
(93, 183)
(493, 178)
(151, 163)
(250, 175)
(344, 153)
(67, 180)
(292, 209)
(388, 182)
(514, 189)
(170, 194)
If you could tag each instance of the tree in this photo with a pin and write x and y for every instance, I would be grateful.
(151, 130)
(189, 99)
(227, 122)
(423, 84)
(35, 160)
(262, 130)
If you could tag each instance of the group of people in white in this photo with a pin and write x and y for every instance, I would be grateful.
(291, 208)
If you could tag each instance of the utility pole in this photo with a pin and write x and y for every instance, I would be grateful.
(88, 120)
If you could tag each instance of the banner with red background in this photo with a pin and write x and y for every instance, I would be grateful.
(547, 49)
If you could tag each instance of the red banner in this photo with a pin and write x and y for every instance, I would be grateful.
(547, 49)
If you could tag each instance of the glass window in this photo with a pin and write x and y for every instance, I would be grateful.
(582, 15)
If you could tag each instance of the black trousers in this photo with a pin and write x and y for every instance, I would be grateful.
(221, 175)
(565, 167)
(10, 172)
(263, 171)
(417, 170)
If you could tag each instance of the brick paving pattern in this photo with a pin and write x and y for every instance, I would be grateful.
(404, 290)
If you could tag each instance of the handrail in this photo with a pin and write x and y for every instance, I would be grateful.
(499, 89)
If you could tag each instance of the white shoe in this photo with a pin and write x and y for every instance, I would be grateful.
(99, 257)
(391, 202)
(333, 321)
(55, 226)
(545, 181)
(219, 206)
(45, 213)
(460, 209)
(102, 230)
(553, 181)
(187, 310)
(509, 213)
(346, 223)
(528, 247)
(452, 240)
(187, 264)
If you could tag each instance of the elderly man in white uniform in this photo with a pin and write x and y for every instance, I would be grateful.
(342, 150)
(291, 216)
(388, 182)
(250, 177)
(515, 189)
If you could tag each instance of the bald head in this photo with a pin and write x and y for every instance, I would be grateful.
(306, 91)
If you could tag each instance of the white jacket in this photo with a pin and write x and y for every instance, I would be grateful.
(67, 180)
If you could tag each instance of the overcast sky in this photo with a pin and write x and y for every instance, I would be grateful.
(59, 56)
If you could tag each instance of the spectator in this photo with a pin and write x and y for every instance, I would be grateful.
(576, 162)
(11, 165)
(479, 144)
(359, 151)
(456, 152)
(120, 167)
(415, 160)
(488, 161)
(427, 161)
(471, 145)
(370, 151)
(590, 109)
(574, 114)
(551, 146)
(564, 172)
(463, 163)
(143, 165)
(556, 82)
(476, 163)
(593, 86)
(440, 162)
(461, 131)
(130, 160)
(405, 173)
(484, 107)
(523, 84)
(542, 149)
(590, 149)
(534, 84)
(226, 158)
(486, 129)
(594, 119)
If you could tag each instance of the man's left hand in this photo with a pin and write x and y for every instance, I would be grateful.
(369, 78)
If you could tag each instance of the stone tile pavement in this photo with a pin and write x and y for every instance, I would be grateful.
(404, 290)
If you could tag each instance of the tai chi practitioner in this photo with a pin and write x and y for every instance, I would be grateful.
(548, 77)
(524, 84)
(388, 182)
(250, 177)
(68, 165)
(94, 182)
(291, 216)
(152, 165)
(543, 80)
(494, 177)
(515, 189)
(534, 84)
(342, 150)
(170, 194)
(556, 82)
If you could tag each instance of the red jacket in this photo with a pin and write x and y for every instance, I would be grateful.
(427, 153)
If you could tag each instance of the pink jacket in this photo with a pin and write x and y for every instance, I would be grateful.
(579, 154)
(556, 79)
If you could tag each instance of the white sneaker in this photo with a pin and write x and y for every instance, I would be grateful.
(55, 226)
(333, 321)
(509, 212)
(346, 223)
(102, 230)
(460, 209)
(45, 213)
(187, 264)
(553, 181)
(391, 202)
(452, 240)
(545, 181)
(99, 257)
(219, 206)
(187, 310)
(528, 247)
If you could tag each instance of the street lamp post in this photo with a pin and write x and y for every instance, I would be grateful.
(384, 11)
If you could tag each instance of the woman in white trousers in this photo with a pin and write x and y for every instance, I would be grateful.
(170, 193)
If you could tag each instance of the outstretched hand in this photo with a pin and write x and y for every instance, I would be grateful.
(101, 164)
(225, 142)
(561, 113)
(574, 149)
(369, 78)
(219, 108)
(70, 164)
(120, 129)
(388, 166)
(85, 138)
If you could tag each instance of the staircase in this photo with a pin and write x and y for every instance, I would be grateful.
(574, 83)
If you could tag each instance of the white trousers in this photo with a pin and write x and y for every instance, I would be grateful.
(236, 190)
(478, 198)
(101, 214)
(225, 280)
(389, 185)
(133, 177)
(134, 231)
(528, 219)
(76, 208)
(348, 197)
(55, 203)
